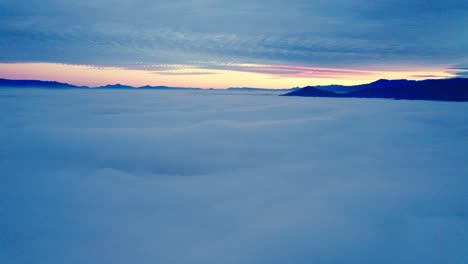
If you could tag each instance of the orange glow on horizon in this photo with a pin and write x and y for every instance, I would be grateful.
(234, 75)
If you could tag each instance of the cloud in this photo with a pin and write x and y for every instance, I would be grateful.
(459, 71)
(430, 76)
(184, 73)
(463, 74)
(229, 177)
(289, 70)
(274, 32)
(274, 70)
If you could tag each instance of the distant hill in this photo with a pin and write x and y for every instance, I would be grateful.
(115, 86)
(147, 87)
(260, 89)
(340, 88)
(455, 89)
(36, 84)
(6, 83)
(167, 88)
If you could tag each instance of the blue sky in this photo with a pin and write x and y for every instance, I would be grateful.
(206, 34)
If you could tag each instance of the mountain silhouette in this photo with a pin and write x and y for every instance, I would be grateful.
(7, 83)
(251, 89)
(455, 89)
(115, 86)
(146, 87)
(340, 88)
(36, 84)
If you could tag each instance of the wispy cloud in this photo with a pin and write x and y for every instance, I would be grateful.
(459, 70)
(208, 75)
(184, 73)
(273, 69)
(431, 76)
(313, 33)
(289, 70)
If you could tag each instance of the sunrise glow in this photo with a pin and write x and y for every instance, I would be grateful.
(231, 75)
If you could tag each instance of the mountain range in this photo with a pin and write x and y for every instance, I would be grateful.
(146, 87)
(249, 89)
(7, 83)
(455, 89)
(36, 84)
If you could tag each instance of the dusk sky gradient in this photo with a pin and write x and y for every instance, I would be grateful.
(374, 173)
(257, 43)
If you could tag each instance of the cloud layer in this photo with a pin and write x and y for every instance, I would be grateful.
(230, 177)
(334, 33)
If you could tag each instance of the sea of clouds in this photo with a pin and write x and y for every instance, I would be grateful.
(230, 177)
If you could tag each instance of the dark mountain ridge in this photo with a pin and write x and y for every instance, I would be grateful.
(36, 84)
(455, 89)
(7, 83)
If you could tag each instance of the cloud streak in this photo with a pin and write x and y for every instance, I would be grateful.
(313, 33)
(185, 73)
(207, 75)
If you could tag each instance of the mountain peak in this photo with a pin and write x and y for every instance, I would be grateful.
(437, 90)
(116, 86)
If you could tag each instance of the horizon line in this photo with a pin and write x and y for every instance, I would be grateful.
(215, 76)
(109, 85)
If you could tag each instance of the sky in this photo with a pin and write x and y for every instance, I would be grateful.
(218, 44)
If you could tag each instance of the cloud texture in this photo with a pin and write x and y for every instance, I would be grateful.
(334, 33)
(230, 177)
